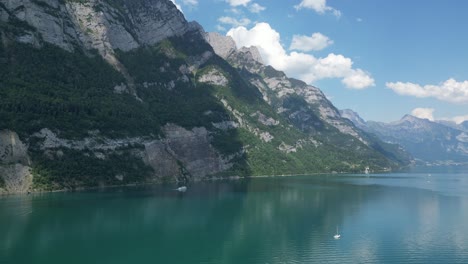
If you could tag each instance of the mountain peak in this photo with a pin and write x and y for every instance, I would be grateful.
(412, 119)
(225, 46)
(252, 52)
(353, 117)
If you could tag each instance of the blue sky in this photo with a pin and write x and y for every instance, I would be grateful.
(383, 59)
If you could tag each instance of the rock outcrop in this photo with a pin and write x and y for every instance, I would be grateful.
(97, 24)
(190, 152)
(14, 164)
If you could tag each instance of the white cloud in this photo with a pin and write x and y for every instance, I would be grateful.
(358, 79)
(460, 119)
(457, 119)
(359, 19)
(424, 113)
(428, 113)
(449, 91)
(256, 8)
(299, 65)
(319, 6)
(233, 21)
(220, 28)
(177, 5)
(238, 2)
(190, 2)
(317, 41)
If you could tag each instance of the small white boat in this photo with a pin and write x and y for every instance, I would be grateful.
(337, 235)
(367, 170)
(181, 189)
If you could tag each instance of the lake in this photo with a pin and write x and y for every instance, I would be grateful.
(412, 217)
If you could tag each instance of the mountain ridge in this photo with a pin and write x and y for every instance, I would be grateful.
(428, 141)
(130, 92)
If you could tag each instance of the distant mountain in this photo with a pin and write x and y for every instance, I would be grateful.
(464, 126)
(354, 117)
(426, 140)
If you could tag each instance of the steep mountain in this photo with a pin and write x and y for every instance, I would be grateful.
(353, 117)
(105, 92)
(305, 106)
(428, 141)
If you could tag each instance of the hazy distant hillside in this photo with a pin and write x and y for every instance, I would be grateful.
(429, 141)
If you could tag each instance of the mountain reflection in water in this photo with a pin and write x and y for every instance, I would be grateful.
(382, 218)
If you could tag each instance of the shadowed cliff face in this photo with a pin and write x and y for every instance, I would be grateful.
(96, 24)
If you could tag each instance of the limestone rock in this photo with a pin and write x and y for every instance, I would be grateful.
(214, 77)
(14, 163)
(223, 46)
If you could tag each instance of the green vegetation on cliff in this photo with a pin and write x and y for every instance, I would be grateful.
(74, 168)
(2, 182)
(74, 94)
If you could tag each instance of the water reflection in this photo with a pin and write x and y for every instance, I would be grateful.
(272, 220)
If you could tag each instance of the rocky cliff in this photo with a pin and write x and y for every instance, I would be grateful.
(15, 173)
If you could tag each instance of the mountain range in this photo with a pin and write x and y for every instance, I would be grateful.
(430, 142)
(114, 92)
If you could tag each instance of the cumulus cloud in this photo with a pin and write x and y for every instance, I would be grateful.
(449, 91)
(457, 119)
(358, 79)
(319, 6)
(460, 119)
(256, 8)
(428, 113)
(238, 2)
(424, 113)
(300, 65)
(233, 21)
(220, 28)
(317, 41)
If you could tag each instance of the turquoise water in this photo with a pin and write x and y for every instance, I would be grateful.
(415, 217)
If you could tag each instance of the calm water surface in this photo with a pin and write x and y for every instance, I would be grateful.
(416, 217)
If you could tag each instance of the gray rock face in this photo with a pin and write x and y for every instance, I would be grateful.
(353, 117)
(14, 163)
(17, 178)
(98, 24)
(49, 19)
(252, 52)
(194, 150)
(214, 77)
(155, 20)
(223, 46)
